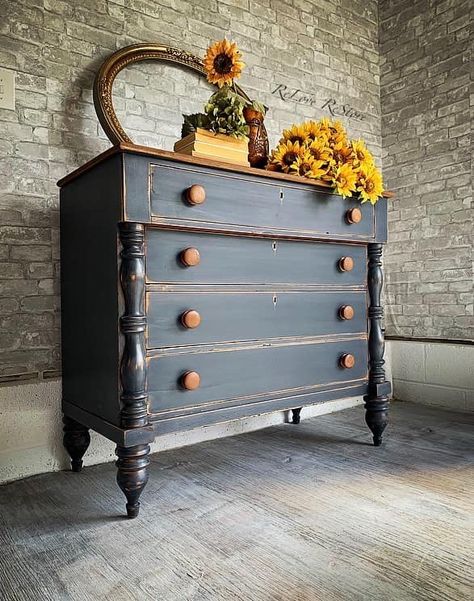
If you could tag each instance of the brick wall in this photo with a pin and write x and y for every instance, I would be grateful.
(325, 47)
(427, 127)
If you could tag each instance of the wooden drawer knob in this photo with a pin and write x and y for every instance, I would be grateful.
(346, 312)
(346, 263)
(190, 257)
(354, 215)
(190, 380)
(347, 361)
(195, 194)
(190, 319)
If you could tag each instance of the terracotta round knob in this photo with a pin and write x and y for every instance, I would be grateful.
(347, 360)
(190, 319)
(346, 312)
(346, 263)
(354, 215)
(190, 257)
(195, 194)
(190, 380)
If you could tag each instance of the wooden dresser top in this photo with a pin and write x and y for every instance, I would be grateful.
(124, 147)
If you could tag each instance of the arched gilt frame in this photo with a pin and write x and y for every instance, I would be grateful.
(117, 61)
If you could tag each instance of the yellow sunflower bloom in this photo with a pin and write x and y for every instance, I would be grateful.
(286, 154)
(333, 131)
(296, 133)
(342, 153)
(362, 155)
(338, 129)
(345, 180)
(222, 63)
(318, 170)
(325, 125)
(303, 164)
(370, 184)
(314, 132)
(320, 151)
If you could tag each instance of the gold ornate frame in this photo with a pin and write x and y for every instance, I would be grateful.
(117, 61)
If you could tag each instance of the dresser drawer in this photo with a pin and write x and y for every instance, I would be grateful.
(226, 199)
(191, 318)
(246, 260)
(250, 374)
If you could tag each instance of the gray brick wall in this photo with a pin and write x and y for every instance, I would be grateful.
(427, 126)
(327, 47)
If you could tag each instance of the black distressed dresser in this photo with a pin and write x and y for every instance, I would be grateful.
(195, 293)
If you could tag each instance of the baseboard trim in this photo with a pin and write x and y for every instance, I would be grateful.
(430, 340)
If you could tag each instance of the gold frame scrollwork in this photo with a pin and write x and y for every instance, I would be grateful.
(120, 59)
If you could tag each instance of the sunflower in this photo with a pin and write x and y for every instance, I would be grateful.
(222, 63)
(318, 170)
(337, 128)
(342, 153)
(286, 154)
(303, 164)
(296, 133)
(315, 132)
(362, 155)
(320, 151)
(345, 180)
(324, 126)
(336, 134)
(370, 185)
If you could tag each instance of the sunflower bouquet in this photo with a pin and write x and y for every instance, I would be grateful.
(322, 150)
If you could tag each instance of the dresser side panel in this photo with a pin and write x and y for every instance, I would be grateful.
(381, 226)
(90, 210)
(136, 191)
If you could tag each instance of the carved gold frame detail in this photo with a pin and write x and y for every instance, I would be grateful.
(117, 61)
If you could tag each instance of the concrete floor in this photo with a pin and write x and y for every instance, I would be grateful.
(291, 513)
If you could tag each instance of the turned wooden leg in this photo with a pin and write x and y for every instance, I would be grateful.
(76, 440)
(132, 474)
(132, 462)
(296, 415)
(376, 417)
(376, 401)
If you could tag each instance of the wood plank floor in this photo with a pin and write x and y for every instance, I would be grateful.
(291, 513)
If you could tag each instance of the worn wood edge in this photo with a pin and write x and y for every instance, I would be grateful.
(215, 227)
(163, 285)
(260, 397)
(182, 158)
(251, 232)
(165, 425)
(121, 436)
(257, 344)
(152, 288)
(252, 343)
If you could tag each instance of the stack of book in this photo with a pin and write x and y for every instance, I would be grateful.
(208, 145)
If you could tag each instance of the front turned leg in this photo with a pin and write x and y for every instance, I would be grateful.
(76, 441)
(132, 474)
(376, 401)
(376, 417)
(296, 415)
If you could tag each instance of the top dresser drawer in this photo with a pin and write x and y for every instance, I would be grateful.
(232, 201)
